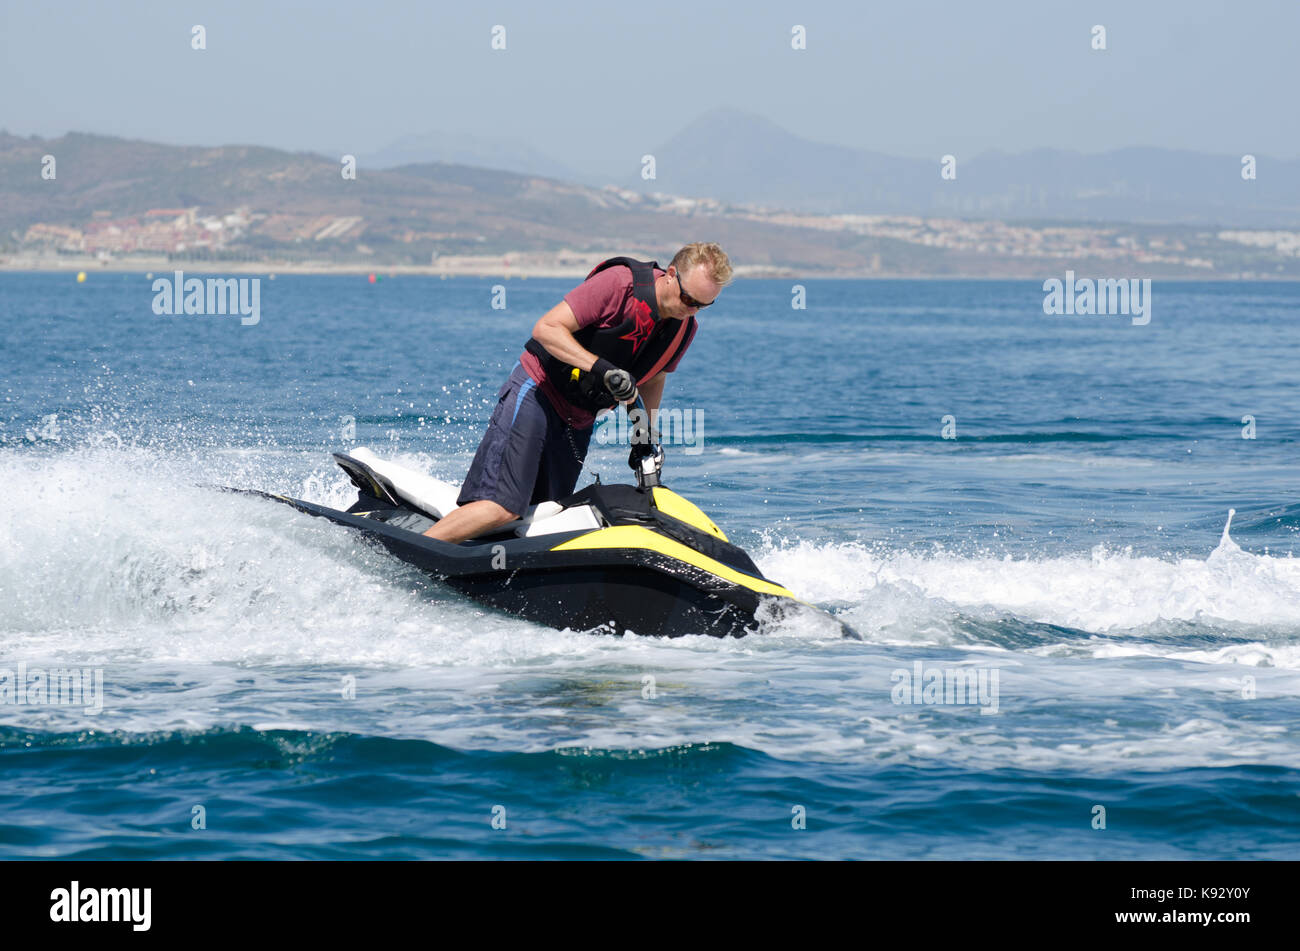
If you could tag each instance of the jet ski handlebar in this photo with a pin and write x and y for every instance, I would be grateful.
(647, 456)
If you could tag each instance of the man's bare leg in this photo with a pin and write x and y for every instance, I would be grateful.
(472, 518)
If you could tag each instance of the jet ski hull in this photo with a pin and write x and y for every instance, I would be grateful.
(635, 568)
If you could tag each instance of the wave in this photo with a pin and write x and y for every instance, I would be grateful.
(297, 794)
(1245, 607)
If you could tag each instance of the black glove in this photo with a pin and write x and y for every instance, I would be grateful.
(639, 451)
(618, 382)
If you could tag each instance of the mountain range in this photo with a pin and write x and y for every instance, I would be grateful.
(740, 158)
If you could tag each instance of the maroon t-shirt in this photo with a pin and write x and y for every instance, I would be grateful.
(606, 300)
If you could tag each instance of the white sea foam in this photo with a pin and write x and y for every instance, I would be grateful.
(209, 609)
(904, 594)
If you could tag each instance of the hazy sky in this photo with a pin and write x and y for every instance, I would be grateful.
(583, 80)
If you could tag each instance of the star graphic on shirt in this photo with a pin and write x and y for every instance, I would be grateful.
(644, 326)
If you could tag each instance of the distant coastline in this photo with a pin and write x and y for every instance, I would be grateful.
(163, 267)
(152, 207)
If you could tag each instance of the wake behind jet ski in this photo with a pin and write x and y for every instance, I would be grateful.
(610, 557)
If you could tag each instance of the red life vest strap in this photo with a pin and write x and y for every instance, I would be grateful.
(667, 354)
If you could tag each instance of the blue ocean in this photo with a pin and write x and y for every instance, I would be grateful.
(987, 493)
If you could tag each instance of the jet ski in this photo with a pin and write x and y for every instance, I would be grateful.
(612, 558)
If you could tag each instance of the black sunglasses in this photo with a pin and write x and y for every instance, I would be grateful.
(687, 299)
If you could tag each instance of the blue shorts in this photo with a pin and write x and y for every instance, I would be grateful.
(529, 454)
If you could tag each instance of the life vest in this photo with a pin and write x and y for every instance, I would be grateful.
(637, 344)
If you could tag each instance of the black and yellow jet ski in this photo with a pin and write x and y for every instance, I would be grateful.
(610, 558)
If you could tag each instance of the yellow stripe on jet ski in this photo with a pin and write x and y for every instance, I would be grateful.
(673, 505)
(634, 536)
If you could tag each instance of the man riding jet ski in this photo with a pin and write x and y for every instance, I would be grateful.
(517, 537)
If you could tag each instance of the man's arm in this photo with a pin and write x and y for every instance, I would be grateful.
(555, 331)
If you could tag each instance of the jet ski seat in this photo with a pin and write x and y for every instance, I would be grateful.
(436, 498)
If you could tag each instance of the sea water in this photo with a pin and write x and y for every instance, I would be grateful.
(1064, 654)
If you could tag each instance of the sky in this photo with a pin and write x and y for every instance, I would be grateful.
(587, 82)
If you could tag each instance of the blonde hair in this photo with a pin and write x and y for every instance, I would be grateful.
(714, 259)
